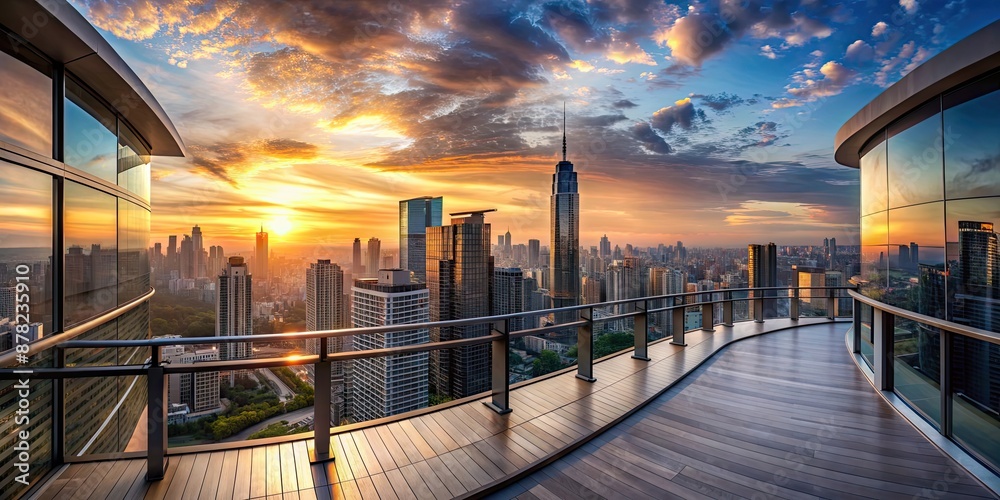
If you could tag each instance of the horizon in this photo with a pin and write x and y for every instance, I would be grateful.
(315, 120)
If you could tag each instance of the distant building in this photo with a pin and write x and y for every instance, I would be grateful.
(533, 254)
(199, 391)
(260, 257)
(508, 294)
(564, 266)
(762, 272)
(459, 279)
(325, 311)
(356, 264)
(373, 258)
(389, 385)
(234, 310)
(415, 216)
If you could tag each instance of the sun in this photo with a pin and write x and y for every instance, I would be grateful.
(278, 225)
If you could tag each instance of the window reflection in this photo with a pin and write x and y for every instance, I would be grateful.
(26, 100)
(974, 263)
(976, 399)
(972, 152)
(914, 157)
(133, 163)
(91, 267)
(874, 255)
(916, 366)
(873, 179)
(133, 258)
(25, 253)
(91, 142)
(916, 259)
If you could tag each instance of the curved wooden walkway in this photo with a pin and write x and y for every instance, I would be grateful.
(784, 415)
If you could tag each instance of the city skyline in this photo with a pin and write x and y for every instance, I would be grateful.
(763, 99)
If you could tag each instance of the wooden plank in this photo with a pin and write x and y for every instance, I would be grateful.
(227, 475)
(460, 472)
(396, 451)
(432, 436)
(257, 471)
(365, 452)
(174, 480)
(289, 476)
(354, 458)
(241, 478)
(438, 485)
(399, 431)
(111, 478)
(420, 485)
(471, 453)
(303, 469)
(342, 464)
(213, 473)
(197, 476)
(383, 488)
(400, 485)
(381, 451)
(366, 487)
(273, 464)
(134, 470)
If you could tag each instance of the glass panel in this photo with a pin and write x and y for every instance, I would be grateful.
(917, 363)
(976, 399)
(867, 346)
(971, 150)
(133, 163)
(916, 259)
(91, 273)
(133, 254)
(974, 263)
(26, 101)
(91, 143)
(873, 180)
(914, 157)
(25, 254)
(874, 254)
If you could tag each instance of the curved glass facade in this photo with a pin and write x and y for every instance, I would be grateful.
(74, 238)
(930, 203)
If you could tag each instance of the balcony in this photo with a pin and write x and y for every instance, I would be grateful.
(770, 408)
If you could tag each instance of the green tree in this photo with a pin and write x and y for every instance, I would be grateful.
(546, 362)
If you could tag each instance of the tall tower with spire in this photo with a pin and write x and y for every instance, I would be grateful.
(564, 256)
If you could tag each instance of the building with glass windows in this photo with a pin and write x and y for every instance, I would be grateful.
(929, 161)
(415, 216)
(77, 129)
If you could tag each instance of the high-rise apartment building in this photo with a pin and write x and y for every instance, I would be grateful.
(623, 280)
(356, 263)
(564, 268)
(533, 254)
(389, 385)
(198, 251)
(415, 216)
(200, 391)
(234, 309)
(325, 311)
(508, 294)
(77, 130)
(459, 279)
(605, 247)
(373, 258)
(260, 257)
(762, 272)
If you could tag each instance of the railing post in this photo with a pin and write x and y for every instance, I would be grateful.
(321, 405)
(882, 333)
(947, 340)
(708, 316)
(793, 307)
(831, 304)
(500, 402)
(727, 309)
(856, 309)
(641, 331)
(156, 419)
(677, 322)
(585, 346)
(758, 306)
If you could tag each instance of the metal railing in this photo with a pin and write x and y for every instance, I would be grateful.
(157, 373)
(883, 326)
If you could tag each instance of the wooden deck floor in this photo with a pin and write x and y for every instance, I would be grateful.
(468, 450)
(786, 415)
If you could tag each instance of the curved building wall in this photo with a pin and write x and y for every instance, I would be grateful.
(74, 234)
(930, 212)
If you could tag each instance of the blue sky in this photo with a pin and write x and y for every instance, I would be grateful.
(707, 122)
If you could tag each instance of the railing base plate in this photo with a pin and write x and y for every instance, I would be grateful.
(158, 477)
(682, 344)
(708, 330)
(316, 457)
(500, 411)
(588, 379)
(640, 358)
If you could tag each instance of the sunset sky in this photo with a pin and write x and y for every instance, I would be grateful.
(708, 122)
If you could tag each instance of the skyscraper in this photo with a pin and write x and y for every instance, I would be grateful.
(762, 272)
(260, 271)
(172, 264)
(459, 279)
(415, 216)
(389, 385)
(605, 247)
(564, 267)
(508, 294)
(374, 257)
(324, 311)
(533, 256)
(356, 258)
(234, 309)
(198, 251)
(507, 244)
(186, 259)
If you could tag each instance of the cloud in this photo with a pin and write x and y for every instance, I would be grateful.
(879, 29)
(760, 134)
(889, 66)
(642, 132)
(721, 102)
(682, 114)
(910, 6)
(768, 52)
(624, 104)
(234, 162)
(860, 52)
(582, 66)
(835, 76)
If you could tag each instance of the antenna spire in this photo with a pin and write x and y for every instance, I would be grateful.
(564, 130)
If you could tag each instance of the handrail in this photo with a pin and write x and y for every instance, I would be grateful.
(967, 331)
(345, 332)
(52, 340)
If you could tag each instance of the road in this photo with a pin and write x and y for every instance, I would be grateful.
(284, 393)
(291, 417)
